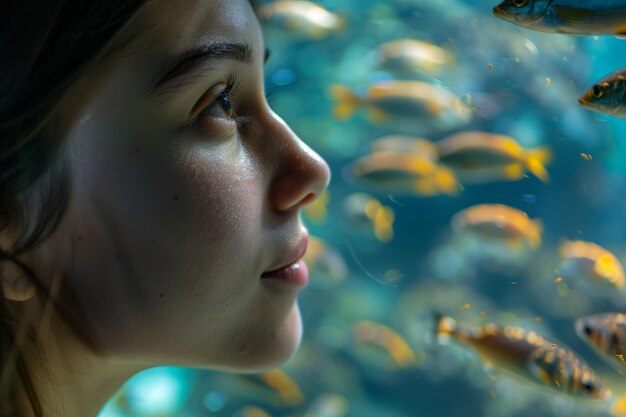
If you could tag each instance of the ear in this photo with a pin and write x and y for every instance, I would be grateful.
(16, 285)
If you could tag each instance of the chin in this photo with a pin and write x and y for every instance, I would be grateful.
(264, 349)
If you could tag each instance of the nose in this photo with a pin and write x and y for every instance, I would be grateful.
(298, 174)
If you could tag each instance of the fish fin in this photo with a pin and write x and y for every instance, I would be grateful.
(376, 115)
(618, 407)
(536, 160)
(348, 101)
(419, 165)
(512, 147)
(540, 373)
(446, 181)
(383, 220)
(445, 327)
(606, 266)
(513, 171)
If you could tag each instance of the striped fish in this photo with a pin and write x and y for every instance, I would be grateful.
(591, 261)
(528, 356)
(606, 334)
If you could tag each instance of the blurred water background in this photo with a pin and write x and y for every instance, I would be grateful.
(368, 347)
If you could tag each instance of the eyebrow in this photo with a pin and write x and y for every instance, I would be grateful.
(200, 60)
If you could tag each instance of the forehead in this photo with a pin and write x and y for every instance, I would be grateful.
(166, 28)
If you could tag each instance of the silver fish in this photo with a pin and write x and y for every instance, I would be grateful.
(607, 95)
(528, 356)
(577, 17)
(606, 334)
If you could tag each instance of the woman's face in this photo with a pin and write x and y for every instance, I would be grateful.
(183, 195)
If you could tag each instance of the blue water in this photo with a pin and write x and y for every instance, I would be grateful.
(401, 282)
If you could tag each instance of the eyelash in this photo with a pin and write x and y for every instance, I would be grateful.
(229, 93)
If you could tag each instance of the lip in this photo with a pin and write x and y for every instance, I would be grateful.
(294, 256)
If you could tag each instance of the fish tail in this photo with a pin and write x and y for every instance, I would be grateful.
(348, 101)
(536, 160)
(445, 327)
(446, 181)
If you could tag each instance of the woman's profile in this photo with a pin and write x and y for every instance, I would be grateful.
(149, 199)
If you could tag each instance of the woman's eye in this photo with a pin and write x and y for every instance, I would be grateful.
(220, 107)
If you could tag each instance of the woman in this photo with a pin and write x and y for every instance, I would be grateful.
(149, 199)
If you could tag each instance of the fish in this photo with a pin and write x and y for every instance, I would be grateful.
(387, 338)
(529, 356)
(606, 334)
(591, 261)
(499, 223)
(573, 17)
(478, 157)
(414, 103)
(608, 95)
(301, 17)
(409, 56)
(404, 173)
(366, 214)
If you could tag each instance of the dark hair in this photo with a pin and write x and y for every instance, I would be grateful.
(45, 46)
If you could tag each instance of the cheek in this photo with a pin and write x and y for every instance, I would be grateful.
(160, 231)
(224, 198)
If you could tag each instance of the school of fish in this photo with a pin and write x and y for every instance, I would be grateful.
(411, 128)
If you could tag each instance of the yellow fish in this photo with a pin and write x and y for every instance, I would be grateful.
(301, 17)
(365, 213)
(409, 102)
(407, 173)
(482, 156)
(606, 334)
(499, 222)
(388, 339)
(528, 356)
(586, 259)
(412, 55)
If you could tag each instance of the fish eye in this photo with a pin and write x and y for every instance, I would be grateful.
(588, 386)
(587, 330)
(519, 3)
(597, 91)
